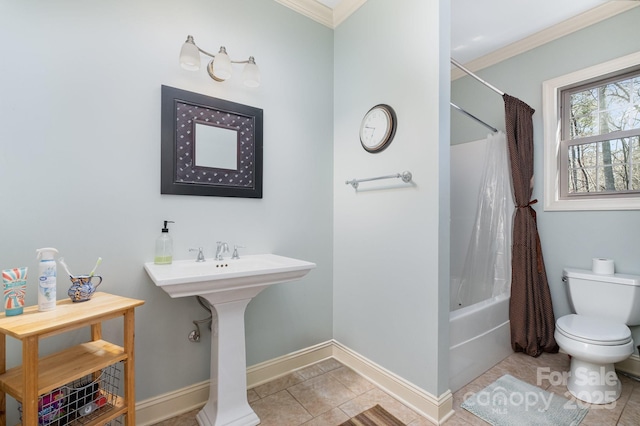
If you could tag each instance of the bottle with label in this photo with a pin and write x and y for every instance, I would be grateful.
(164, 247)
(46, 279)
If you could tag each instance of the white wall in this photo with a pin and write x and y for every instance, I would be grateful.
(391, 273)
(80, 163)
(569, 239)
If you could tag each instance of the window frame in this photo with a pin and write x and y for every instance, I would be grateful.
(551, 92)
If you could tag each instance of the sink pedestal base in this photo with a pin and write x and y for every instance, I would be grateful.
(228, 286)
(227, 404)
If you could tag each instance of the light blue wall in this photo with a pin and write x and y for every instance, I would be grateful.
(568, 238)
(80, 163)
(391, 271)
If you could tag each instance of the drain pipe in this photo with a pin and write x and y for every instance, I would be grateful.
(194, 336)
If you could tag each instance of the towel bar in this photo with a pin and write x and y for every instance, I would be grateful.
(405, 176)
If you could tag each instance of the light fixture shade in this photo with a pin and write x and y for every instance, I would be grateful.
(222, 65)
(189, 55)
(251, 73)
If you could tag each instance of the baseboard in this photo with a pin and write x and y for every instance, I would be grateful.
(171, 404)
(272, 369)
(630, 365)
(436, 409)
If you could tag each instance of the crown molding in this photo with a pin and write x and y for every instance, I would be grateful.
(332, 18)
(321, 13)
(344, 9)
(578, 22)
(311, 9)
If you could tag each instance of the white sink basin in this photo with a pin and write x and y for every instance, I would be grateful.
(190, 278)
(228, 286)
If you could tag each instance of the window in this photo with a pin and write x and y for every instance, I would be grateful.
(592, 138)
(600, 143)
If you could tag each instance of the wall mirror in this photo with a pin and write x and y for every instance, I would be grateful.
(210, 146)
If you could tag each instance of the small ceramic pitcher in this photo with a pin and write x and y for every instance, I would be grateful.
(83, 287)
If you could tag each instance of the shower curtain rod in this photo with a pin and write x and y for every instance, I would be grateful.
(490, 86)
(468, 114)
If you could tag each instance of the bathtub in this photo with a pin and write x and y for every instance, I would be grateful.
(479, 338)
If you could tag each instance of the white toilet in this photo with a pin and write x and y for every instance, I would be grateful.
(597, 336)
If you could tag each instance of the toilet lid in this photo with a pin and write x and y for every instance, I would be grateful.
(593, 330)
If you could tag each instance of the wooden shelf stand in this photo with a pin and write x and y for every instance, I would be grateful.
(39, 376)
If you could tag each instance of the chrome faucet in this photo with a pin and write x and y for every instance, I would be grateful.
(200, 257)
(221, 249)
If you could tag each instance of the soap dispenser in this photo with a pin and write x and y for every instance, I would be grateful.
(164, 247)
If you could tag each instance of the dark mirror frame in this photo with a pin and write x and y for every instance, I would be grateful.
(179, 174)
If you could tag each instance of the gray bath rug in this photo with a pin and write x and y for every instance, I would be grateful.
(512, 402)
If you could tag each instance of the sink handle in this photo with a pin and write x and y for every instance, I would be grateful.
(235, 254)
(200, 257)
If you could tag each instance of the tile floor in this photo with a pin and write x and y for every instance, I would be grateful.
(328, 393)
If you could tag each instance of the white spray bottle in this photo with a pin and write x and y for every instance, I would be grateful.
(46, 279)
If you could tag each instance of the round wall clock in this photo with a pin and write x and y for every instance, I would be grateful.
(378, 128)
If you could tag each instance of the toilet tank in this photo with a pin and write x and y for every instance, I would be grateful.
(615, 297)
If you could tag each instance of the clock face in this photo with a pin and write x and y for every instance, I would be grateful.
(377, 128)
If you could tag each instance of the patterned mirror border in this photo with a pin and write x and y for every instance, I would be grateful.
(181, 110)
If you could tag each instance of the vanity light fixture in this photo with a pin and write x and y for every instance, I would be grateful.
(219, 68)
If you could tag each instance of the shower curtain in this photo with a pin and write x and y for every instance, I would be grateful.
(487, 267)
(530, 309)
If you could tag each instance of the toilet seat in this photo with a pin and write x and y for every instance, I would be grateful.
(593, 331)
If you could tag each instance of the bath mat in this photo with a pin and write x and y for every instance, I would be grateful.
(375, 416)
(509, 401)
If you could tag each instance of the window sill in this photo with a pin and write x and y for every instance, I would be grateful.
(619, 203)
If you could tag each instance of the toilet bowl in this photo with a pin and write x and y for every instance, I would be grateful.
(594, 345)
(597, 336)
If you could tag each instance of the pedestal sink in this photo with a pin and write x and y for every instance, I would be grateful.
(228, 286)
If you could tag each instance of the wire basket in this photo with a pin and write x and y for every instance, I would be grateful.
(81, 401)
